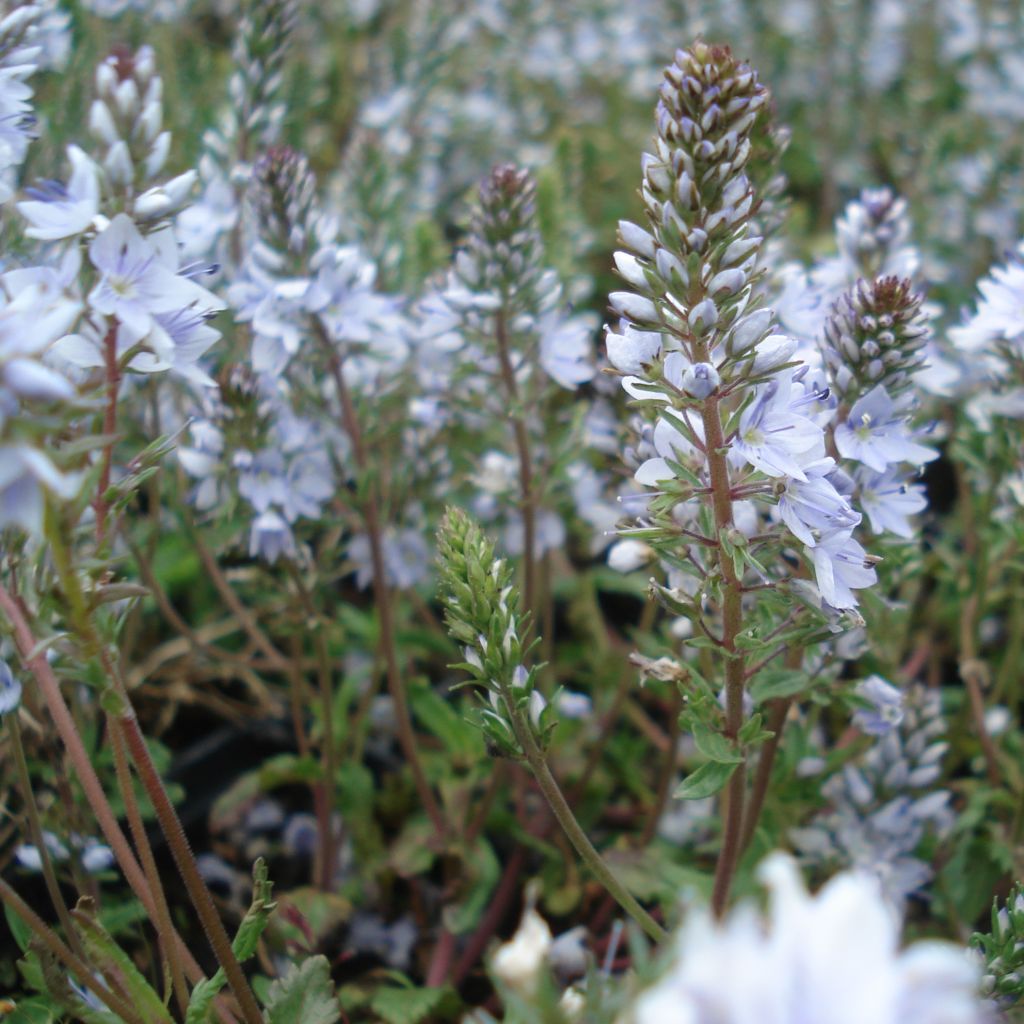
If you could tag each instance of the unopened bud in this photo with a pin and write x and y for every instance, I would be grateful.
(700, 380)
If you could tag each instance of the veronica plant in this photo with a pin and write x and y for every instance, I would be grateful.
(482, 613)
(510, 345)
(734, 415)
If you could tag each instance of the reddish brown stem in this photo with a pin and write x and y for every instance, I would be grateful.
(778, 711)
(86, 775)
(382, 597)
(199, 895)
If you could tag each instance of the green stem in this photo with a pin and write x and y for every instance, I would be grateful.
(35, 829)
(560, 808)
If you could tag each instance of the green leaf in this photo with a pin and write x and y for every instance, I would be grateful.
(482, 869)
(246, 940)
(780, 682)
(412, 1005)
(714, 746)
(706, 781)
(461, 739)
(111, 959)
(305, 995)
(21, 931)
(411, 853)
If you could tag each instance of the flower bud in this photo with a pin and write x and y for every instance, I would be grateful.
(118, 164)
(627, 555)
(701, 380)
(101, 123)
(703, 316)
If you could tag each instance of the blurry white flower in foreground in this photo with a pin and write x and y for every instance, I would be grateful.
(831, 958)
(519, 962)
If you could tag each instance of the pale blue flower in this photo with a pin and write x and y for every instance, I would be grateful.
(889, 501)
(10, 689)
(139, 277)
(813, 506)
(57, 211)
(877, 435)
(25, 476)
(840, 567)
(885, 710)
(407, 558)
(270, 537)
(774, 435)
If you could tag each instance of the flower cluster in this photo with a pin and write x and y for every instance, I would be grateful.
(738, 419)
(1002, 951)
(882, 805)
(494, 338)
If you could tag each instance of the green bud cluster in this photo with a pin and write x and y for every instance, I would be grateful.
(875, 334)
(1003, 951)
(482, 614)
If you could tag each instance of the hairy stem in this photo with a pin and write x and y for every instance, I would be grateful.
(732, 622)
(162, 918)
(328, 750)
(84, 771)
(113, 376)
(199, 895)
(70, 960)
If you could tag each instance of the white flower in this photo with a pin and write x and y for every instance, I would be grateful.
(59, 211)
(565, 348)
(627, 555)
(519, 962)
(24, 475)
(629, 350)
(831, 958)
